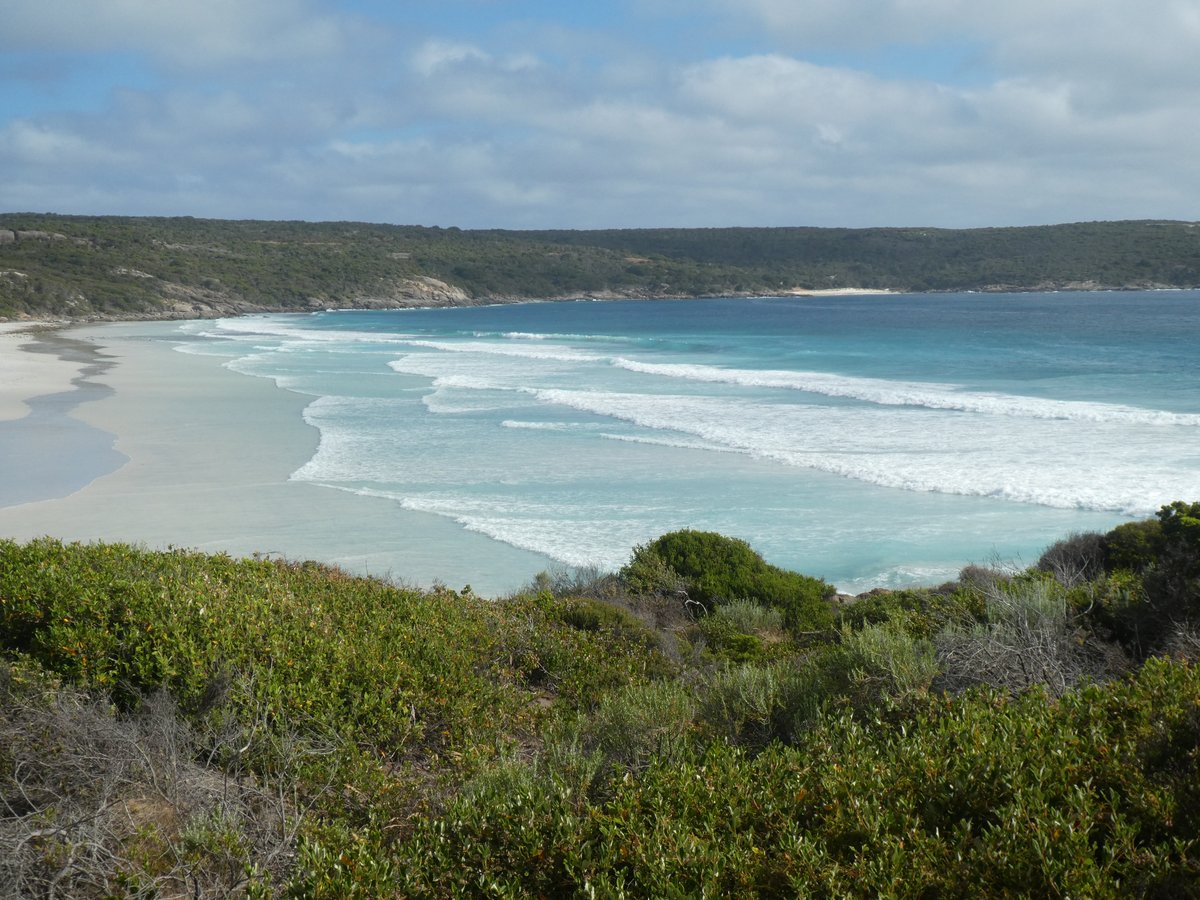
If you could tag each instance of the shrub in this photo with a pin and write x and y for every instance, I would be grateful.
(1118, 603)
(724, 640)
(634, 726)
(576, 650)
(717, 569)
(648, 573)
(1175, 577)
(743, 705)
(584, 581)
(922, 613)
(982, 580)
(749, 617)
(99, 802)
(1132, 546)
(743, 631)
(885, 661)
(1028, 639)
(597, 615)
(1094, 795)
(1076, 559)
(1160, 588)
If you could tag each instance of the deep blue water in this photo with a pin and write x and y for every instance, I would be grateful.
(867, 440)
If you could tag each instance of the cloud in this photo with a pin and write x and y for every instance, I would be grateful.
(1105, 41)
(195, 34)
(436, 55)
(292, 109)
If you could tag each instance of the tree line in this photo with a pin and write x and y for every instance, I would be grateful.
(79, 266)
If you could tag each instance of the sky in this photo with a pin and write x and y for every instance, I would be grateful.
(634, 113)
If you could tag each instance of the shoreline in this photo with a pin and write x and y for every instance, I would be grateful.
(25, 375)
(208, 454)
(237, 309)
(49, 449)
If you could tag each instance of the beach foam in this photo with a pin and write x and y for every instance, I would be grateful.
(919, 394)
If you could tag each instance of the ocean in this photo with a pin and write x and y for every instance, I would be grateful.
(882, 440)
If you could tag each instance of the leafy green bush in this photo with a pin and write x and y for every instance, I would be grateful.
(717, 569)
(1162, 556)
(576, 650)
(1094, 795)
(922, 613)
(596, 615)
(1133, 546)
(749, 617)
(1175, 577)
(745, 705)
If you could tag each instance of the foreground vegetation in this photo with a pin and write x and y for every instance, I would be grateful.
(699, 724)
(121, 266)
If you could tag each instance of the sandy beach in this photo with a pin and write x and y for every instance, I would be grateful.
(207, 454)
(27, 374)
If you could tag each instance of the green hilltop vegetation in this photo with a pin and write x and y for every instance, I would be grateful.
(700, 723)
(111, 266)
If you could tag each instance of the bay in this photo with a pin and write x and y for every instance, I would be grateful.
(871, 440)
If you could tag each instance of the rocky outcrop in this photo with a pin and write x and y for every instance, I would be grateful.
(185, 302)
(419, 290)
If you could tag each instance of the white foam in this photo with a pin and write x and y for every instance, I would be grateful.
(557, 353)
(929, 395)
(881, 392)
(546, 426)
(573, 537)
(1097, 466)
(1056, 453)
(899, 577)
(676, 443)
(283, 327)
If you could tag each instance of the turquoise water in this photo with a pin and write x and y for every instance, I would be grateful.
(883, 440)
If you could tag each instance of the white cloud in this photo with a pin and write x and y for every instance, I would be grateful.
(1103, 42)
(202, 34)
(550, 127)
(435, 55)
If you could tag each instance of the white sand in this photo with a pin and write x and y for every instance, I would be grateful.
(210, 452)
(24, 375)
(835, 292)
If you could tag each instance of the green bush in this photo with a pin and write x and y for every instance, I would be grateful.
(1133, 546)
(1175, 577)
(716, 570)
(922, 613)
(884, 660)
(648, 573)
(1163, 556)
(576, 650)
(635, 726)
(350, 738)
(749, 617)
(596, 615)
(1095, 795)
(745, 705)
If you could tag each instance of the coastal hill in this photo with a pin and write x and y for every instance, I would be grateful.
(126, 267)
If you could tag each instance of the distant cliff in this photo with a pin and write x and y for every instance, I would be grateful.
(121, 267)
